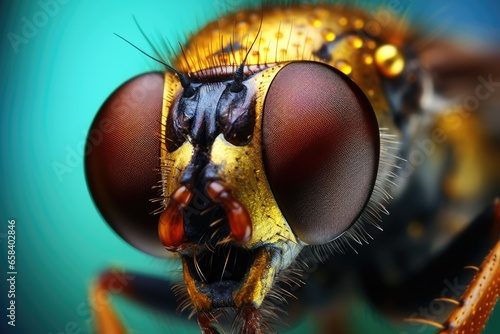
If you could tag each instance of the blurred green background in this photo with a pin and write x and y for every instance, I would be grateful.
(59, 62)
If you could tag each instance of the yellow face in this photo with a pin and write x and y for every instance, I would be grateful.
(283, 54)
(241, 168)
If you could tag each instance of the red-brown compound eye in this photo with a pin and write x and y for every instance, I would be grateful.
(123, 160)
(321, 149)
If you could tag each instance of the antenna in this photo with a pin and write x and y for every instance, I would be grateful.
(185, 83)
(239, 75)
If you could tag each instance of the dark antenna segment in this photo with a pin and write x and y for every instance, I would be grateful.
(239, 75)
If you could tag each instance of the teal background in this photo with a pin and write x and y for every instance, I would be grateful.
(51, 88)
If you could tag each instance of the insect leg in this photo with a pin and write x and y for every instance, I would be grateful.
(476, 304)
(205, 323)
(146, 290)
(251, 320)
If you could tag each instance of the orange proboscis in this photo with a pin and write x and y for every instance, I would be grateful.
(239, 219)
(171, 224)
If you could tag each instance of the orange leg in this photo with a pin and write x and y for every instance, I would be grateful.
(149, 291)
(106, 319)
(477, 302)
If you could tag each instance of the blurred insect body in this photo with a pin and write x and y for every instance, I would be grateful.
(283, 133)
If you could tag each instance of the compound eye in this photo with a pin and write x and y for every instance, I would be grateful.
(321, 149)
(122, 160)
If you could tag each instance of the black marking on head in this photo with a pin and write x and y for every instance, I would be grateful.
(323, 52)
(229, 48)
